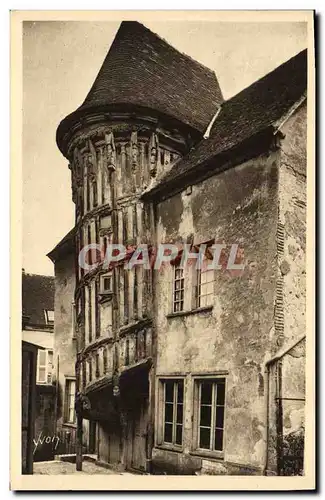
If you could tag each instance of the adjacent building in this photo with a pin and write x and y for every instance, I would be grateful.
(180, 370)
(65, 351)
(38, 325)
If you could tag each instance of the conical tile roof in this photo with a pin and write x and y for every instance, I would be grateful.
(141, 69)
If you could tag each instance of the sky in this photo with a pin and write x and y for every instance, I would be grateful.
(60, 62)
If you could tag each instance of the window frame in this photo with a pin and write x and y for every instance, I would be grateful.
(160, 432)
(102, 290)
(199, 284)
(48, 371)
(196, 449)
(178, 267)
(67, 407)
(48, 322)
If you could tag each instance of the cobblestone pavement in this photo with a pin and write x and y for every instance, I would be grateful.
(59, 467)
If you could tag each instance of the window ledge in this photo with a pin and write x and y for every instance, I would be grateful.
(105, 297)
(166, 447)
(210, 455)
(198, 310)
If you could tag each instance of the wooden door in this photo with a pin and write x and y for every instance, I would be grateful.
(139, 440)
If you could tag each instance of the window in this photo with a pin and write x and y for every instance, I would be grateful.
(95, 193)
(49, 317)
(178, 293)
(210, 395)
(90, 371)
(70, 395)
(205, 286)
(173, 392)
(105, 361)
(106, 283)
(44, 366)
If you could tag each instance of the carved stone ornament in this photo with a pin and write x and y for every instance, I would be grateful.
(153, 154)
(110, 151)
(82, 403)
(134, 148)
(77, 167)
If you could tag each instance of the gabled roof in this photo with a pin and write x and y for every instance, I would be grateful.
(66, 245)
(247, 114)
(37, 297)
(142, 69)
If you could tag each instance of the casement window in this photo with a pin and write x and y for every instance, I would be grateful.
(178, 289)
(49, 317)
(205, 286)
(44, 366)
(172, 392)
(70, 395)
(209, 397)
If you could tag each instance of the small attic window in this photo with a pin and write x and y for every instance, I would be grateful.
(49, 317)
(106, 284)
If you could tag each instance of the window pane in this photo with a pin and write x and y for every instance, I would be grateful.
(169, 391)
(220, 416)
(168, 435)
(71, 415)
(178, 273)
(41, 375)
(179, 434)
(180, 392)
(107, 284)
(203, 277)
(218, 439)
(203, 301)
(179, 416)
(169, 412)
(205, 417)
(205, 438)
(206, 392)
(41, 357)
(221, 393)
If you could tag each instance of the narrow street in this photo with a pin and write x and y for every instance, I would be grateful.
(59, 467)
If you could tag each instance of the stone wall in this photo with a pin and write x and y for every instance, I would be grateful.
(236, 337)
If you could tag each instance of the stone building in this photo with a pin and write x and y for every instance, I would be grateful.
(65, 350)
(37, 325)
(183, 370)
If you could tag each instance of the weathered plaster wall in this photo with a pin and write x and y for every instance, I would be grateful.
(39, 337)
(237, 206)
(292, 214)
